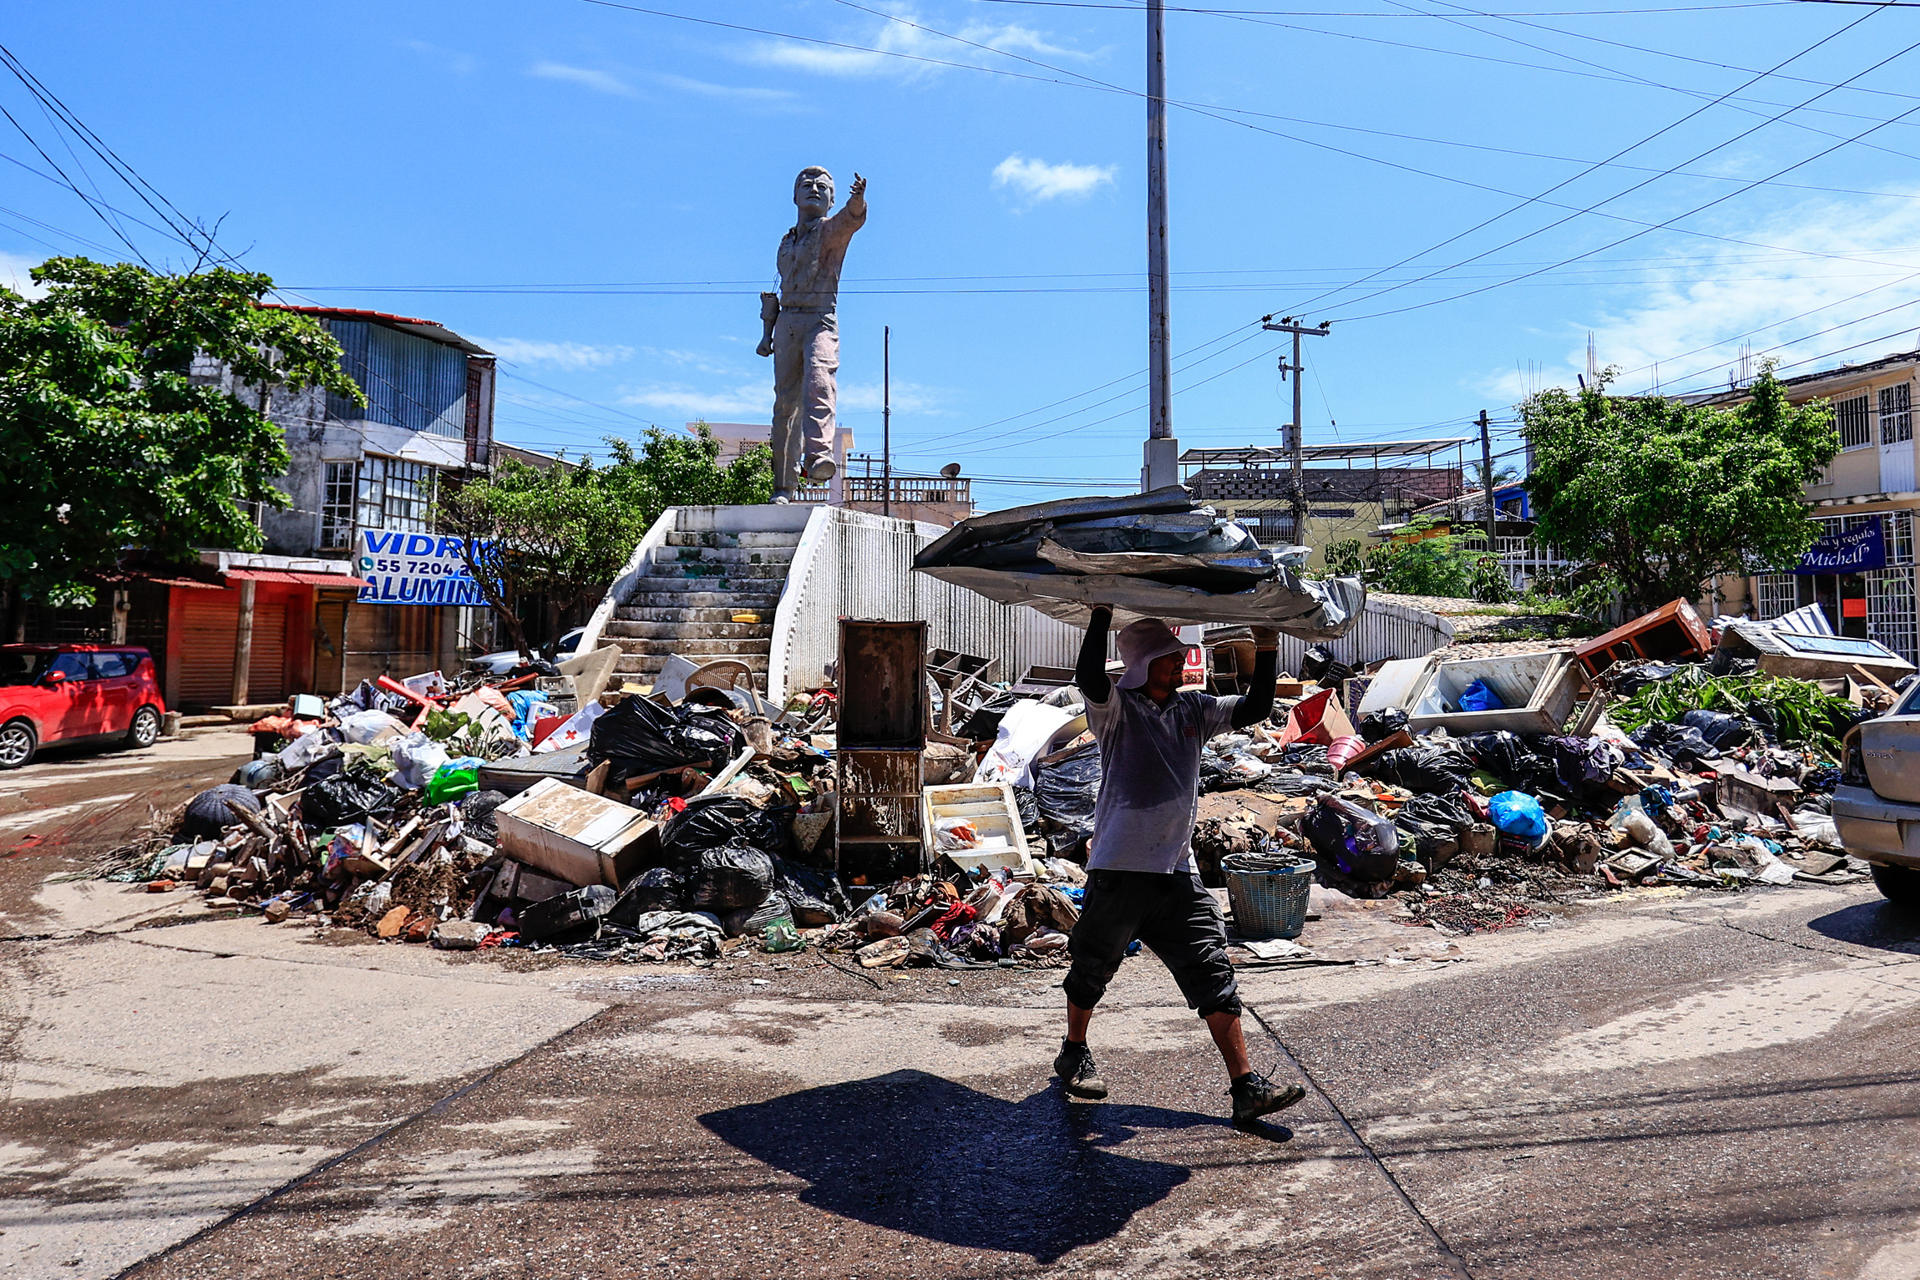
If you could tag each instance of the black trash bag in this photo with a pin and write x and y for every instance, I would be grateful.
(1028, 808)
(566, 919)
(1721, 730)
(208, 817)
(1378, 726)
(641, 736)
(731, 877)
(655, 889)
(1678, 745)
(1506, 757)
(755, 919)
(1065, 793)
(984, 720)
(476, 811)
(1215, 775)
(345, 798)
(1428, 766)
(1579, 763)
(1432, 819)
(1319, 665)
(814, 896)
(714, 822)
(1343, 849)
(1629, 680)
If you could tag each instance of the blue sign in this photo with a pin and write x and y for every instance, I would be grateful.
(1854, 551)
(414, 568)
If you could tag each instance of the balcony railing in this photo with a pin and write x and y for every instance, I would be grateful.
(906, 489)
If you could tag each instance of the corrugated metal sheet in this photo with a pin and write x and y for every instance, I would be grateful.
(852, 564)
(410, 382)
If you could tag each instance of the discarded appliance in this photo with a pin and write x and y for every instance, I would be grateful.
(977, 826)
(1805, 657)
(881, 740)
(1158, 554)
(572, 834)
(1535, 692)
(955, 674)
(1672, 631)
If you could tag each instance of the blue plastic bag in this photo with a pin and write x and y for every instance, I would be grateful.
(1519, 816)
(1479, 697)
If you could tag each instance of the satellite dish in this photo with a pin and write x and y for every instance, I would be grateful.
(951, 471)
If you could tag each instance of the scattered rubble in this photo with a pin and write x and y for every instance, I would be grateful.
(638, 827)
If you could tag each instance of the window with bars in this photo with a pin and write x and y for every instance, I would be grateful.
(1896, 413)
(336, 506)
(1777, 593)
(1851, 417)
(395, 495)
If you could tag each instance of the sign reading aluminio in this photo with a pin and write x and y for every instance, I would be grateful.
(1855, 551)
(413, 568)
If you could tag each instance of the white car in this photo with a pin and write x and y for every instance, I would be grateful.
(1877, 804)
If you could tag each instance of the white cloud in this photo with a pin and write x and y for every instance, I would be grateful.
(13, 274)
(747, 400)
(894, 38)
(460, 64)
(869, 397)
(1038, 180)
(749, 94)
(585, 77)
(562, 355)
(1690, 319)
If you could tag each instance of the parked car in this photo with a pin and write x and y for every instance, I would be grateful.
(68, 692)
(505, 660)
(1876, 807)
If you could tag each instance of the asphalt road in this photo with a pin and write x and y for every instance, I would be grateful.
(1671, 1086)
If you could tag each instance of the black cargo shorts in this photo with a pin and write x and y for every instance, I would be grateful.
(1173, 916)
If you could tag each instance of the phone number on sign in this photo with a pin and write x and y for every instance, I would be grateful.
(413, 568)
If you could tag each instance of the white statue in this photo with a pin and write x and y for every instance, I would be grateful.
(801, 332)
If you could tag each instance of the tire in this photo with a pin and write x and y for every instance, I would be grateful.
(18, 742)
(1899, 885)
(145, 729)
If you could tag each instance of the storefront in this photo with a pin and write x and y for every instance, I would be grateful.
(1861, 574)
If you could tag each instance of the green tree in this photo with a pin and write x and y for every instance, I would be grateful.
(565, 532)
(1665, 496)
(112, 445)
(1428, 559)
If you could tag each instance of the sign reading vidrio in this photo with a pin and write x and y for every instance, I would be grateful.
(413, 568)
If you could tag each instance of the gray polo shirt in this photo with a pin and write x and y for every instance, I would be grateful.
(1150, 776)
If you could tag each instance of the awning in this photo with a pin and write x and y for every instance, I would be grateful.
(294, 577)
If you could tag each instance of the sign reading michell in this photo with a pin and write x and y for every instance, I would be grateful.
(413, 568)
(1853, 551)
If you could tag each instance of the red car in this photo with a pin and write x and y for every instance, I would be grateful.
(63, 692)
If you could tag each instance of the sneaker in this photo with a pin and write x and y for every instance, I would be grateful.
(1077, 1073)
(1254, 1096)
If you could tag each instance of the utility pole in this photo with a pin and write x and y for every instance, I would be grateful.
(1161, 459)
(1486, 477)
(886, 419)
(1294, 437)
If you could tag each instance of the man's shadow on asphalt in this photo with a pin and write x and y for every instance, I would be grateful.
(912, 1152)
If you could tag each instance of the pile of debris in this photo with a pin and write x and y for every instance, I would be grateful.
(692, 819)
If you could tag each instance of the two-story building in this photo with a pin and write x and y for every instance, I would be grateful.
(1381, 483)
(1871, 481)
(245, 628)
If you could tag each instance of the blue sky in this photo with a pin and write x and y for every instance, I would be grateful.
(597, 192)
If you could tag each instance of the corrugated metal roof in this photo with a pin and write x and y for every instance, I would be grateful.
(432, 330)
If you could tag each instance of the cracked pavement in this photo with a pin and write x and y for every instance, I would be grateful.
(1681, 1086)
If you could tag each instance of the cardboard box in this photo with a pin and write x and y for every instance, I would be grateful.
(574, 835)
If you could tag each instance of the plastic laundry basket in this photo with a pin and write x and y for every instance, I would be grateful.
(1268, 894)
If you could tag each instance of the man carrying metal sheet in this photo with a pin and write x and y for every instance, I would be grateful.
(1141, 878)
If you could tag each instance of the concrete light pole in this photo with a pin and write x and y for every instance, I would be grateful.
(1160, 464)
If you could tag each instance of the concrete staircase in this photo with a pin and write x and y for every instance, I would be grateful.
(689, 590)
